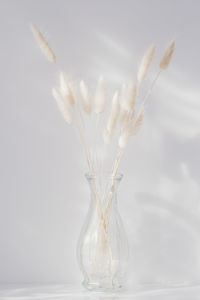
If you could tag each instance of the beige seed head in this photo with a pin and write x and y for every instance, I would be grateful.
(107, 137)
(128, 96)
(145, 63)
(123, 139)
(137, 123)
(167, 56)
(66, 90)
(62, 106)
(123, 97)
(43, 44)
(99, 98)
(86, 101)
(114, 113)
(131, 96)
(124, 113)
(127, 103)
(109, 129)
(124, 116)
(131, 128)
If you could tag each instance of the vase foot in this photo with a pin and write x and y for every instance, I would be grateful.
(98, 287)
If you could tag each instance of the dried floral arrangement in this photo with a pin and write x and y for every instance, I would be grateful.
(122, 111)
(121, 121)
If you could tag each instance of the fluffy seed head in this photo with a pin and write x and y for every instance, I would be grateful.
(123, 97)
(131, 96)
(123, 112)
(86, 101)
(127, 103)
(43, 44)
(137, 122)
(123, 139)
(99, 98)
(145, 63)
(66, 90)
(114, 113)
(131, 128)
(124, 116)
(107, 137)
(167, 56)
(128, 97)
(62, 106)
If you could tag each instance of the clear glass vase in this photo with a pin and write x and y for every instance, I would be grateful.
(102, 249)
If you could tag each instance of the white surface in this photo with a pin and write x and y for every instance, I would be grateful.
(43, 193)
(65, 292)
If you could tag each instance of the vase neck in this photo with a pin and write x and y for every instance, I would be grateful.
(104, 188)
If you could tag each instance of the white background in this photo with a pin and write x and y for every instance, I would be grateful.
(43, 193)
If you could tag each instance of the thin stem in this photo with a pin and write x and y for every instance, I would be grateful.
(115, 168)
(148, 93)
(77, 129)
(101, 167)
(151, 87)
(83, 126)
(119, 154)
(95, 141)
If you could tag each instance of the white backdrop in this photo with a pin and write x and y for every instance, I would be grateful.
(44, 196)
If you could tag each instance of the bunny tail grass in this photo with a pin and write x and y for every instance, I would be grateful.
(167, 56)
(123, 139)
(138, 122)
(145, 63)
(131, 96)
(61, 106)
(113, 116)
(85, 97)
(42, 42)
(100, 96)
(107, 137)
(65, 89)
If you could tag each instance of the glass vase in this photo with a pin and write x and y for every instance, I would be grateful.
(102, 249)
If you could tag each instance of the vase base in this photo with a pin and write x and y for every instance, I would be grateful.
(97, 287)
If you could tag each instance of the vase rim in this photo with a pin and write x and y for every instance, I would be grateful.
(94, 175)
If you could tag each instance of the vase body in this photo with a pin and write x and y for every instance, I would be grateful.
(102, 249)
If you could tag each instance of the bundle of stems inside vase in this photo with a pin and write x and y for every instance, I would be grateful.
(115, 119)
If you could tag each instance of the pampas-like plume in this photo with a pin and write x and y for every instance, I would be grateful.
(124, 116)
(131, 96)
(61, 106)
(167, 56)
(127, 103)
(86, 101)
(65, 89)
(100, 99)
(131, 129)
(123, 112)
(145, 63)
(114, 113)
(138, 122)
(42, 42)
(123, 98)
(106, 136)
(123, 138)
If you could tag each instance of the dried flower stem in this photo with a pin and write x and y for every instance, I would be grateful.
(151, 87)
(95, 134)
(114, 172)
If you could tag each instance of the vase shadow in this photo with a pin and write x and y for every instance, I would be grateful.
(165, 242)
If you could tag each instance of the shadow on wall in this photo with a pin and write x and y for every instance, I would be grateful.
(165, 242)
(165, 227)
